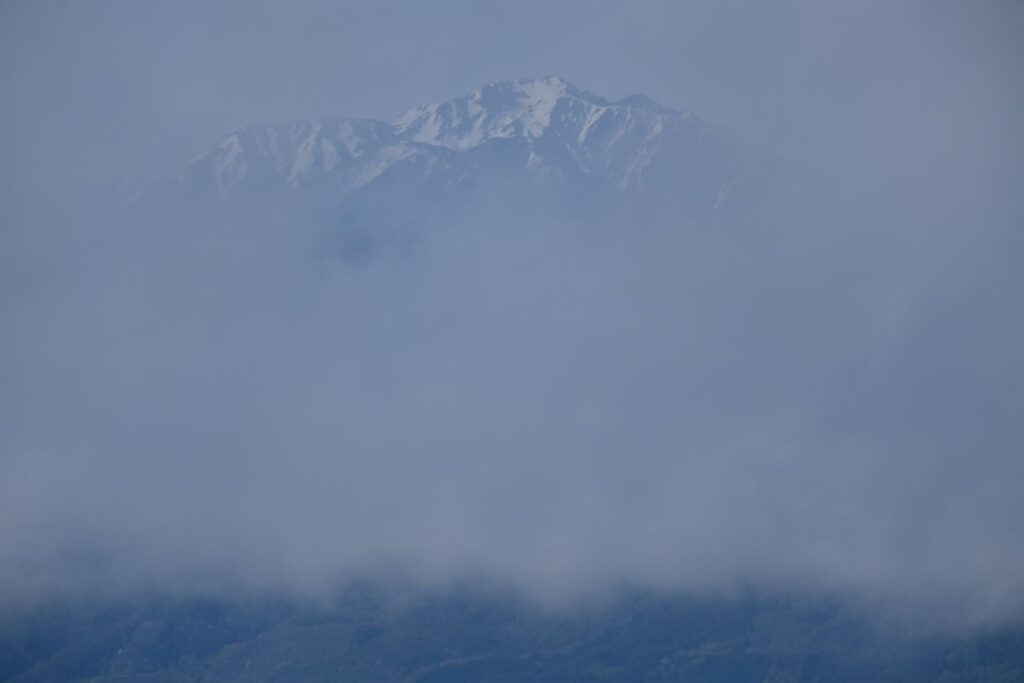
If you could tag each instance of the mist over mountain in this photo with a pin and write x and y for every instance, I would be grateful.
(479, 342)
(525, 384)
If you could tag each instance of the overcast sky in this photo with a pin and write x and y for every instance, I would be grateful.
(833, 404)
(119, 87)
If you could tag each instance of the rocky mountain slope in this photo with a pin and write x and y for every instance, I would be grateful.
(365, 637)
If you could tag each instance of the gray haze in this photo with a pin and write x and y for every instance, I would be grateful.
(828, 398)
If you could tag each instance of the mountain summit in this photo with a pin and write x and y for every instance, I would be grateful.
(544, 130)
(515, 109)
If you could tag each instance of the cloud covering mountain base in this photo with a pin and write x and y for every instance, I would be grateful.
(518, 395)
(559, 387)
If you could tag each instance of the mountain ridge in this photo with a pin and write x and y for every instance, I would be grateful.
(546, 130)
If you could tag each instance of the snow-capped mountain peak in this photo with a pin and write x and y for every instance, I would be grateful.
(545, 129)
(504, 109)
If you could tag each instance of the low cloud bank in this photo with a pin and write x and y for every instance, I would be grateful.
(806, 403)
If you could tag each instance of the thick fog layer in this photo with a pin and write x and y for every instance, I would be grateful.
(825, 397)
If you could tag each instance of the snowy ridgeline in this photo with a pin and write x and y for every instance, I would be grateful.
(544, 130)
